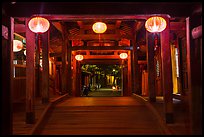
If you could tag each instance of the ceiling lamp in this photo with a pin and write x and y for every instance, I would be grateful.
(79, 57)
(38, 25)
(123, 55)
(155, 24)
(17, 45)
(99, 27)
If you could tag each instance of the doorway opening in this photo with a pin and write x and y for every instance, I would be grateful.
(101, 80)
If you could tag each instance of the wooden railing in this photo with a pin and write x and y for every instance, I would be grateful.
(19, 83)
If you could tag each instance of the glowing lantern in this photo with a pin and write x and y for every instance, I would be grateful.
(155, 24)
(99, 27)
(79, 57)
(38, 25)
(24, 52)
(17, 45)
(123, 55)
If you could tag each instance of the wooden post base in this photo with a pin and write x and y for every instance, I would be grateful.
(169, 118)
(30, 117)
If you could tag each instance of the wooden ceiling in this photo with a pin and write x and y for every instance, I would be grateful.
(80, 33)
(76, 20)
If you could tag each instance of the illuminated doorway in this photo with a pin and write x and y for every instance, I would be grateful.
(101, 80)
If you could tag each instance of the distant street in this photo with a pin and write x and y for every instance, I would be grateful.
(104, 92)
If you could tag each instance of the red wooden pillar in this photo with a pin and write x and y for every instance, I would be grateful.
(151, 67)
(37, 56)
(45, 64)
(78, 78)
(74, 77)
(6, 76)
(129, 75)
(69, 68)
(55, 76)
(64, 64)
(122, 84)
(167, 85)
(135, 67)
(194, 67)
(125, 78)
(30, 74)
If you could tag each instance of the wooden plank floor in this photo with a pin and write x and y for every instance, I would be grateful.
(19, 125)
(101, 116)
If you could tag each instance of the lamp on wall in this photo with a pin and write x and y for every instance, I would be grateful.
(24, 52)
(17, 45)
(79, 57)
(123, 55)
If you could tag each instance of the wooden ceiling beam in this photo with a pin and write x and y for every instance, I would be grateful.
(89, 27)
(96, 37)
(19, 28)
(139, 25)
(98, 17)
(177, 26)
(108, 61)
(95, 48)
(58, 26)
(81, 24)
(117, 24)
(102, 48)
(101, 57)
(101, 61)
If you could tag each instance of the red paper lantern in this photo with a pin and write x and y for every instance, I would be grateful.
(99, 27)
(123, 55)
(79, 57)
(155, 24)
(17, 45)
(38, 25)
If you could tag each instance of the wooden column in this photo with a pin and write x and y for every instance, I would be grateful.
(135, 67)
(55, 76)
(194, 67)
(45, 64)
(37, 56)
(125, 78)
(6, 76)
(150, 66)
(74, 77)
(167, 85)
(129, 75)
(30, 74)
(78, 78)
(122, 77)
(69, 67)
(64, 64)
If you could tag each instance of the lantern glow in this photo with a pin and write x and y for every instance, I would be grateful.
(155, 24)
(24, 52)
(79, 57)
(123, 55)
(99, 27)
(38, 25)
(17, 45)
